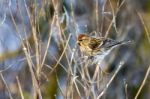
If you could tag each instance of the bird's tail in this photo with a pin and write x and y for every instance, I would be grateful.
(112, 43)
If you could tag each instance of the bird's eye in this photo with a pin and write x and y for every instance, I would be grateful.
(80, 40)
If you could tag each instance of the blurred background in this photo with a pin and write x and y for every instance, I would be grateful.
(40, 59)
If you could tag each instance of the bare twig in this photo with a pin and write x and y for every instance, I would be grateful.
(112, 78)
(97, 15)
(126, 89)
(34, 79)
(9, 92)
(145, 27)
(61, 54)
(143, 83)
(20, 89)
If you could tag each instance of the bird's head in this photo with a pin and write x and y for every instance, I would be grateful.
(82, 38)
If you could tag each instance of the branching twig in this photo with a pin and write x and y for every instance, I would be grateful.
(61, 54)
(112, 78)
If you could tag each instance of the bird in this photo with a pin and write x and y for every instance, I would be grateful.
(93, 46)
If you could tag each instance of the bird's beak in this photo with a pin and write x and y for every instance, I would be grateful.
(78, 42)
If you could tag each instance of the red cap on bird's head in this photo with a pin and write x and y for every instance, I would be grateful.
(81, 36)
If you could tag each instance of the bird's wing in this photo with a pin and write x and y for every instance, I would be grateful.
(108, 43)
(95, 43)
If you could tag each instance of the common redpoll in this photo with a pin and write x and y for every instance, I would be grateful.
(92, 46)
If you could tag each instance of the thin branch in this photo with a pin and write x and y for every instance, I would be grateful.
(145, 27)
(126, 89)
(61, 54)
(9, 92)
(34, 79)
(112, 78)
(143, 83)
(20, 89)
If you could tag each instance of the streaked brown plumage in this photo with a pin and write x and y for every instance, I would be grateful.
(91, 46)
